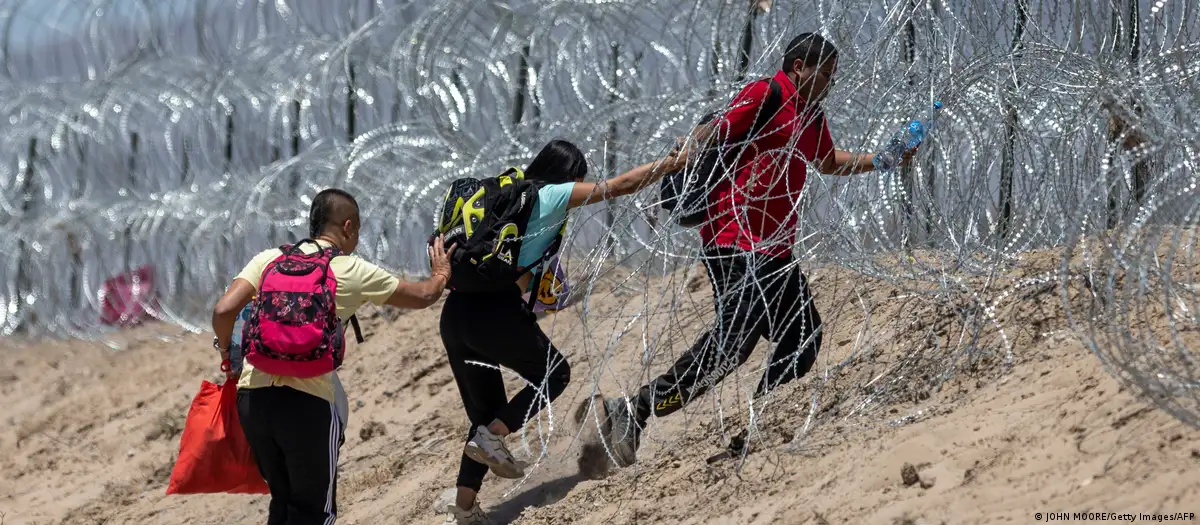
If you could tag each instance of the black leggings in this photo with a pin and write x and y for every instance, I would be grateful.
(755, 296)
(498, 329)
(295, 439)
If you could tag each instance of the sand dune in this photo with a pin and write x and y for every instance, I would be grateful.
(891, 437)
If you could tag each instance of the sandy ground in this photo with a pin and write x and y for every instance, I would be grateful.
(901, 422)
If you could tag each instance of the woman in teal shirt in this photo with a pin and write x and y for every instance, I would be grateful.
(497, 328)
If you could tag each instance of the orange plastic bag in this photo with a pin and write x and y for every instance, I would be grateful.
(214, 456)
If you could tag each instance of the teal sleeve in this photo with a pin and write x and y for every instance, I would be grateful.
(546, 221)
(555, 197)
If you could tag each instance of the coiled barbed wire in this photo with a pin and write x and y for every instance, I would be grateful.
(187, 136)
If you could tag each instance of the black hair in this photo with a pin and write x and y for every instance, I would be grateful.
(559, 161)
(330, 206)
(810, 48)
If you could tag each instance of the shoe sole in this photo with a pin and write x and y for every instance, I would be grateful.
(499, 468)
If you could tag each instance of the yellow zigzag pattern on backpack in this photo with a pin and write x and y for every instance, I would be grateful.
(472, 213)
(442, 226)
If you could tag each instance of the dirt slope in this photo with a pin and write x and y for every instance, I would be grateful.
(91, 432)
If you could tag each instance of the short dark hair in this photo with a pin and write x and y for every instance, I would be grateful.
(330, 206)
(559, 161)
(810, 48)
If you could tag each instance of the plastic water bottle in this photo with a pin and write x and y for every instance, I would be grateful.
(235, 342)
(904, 141)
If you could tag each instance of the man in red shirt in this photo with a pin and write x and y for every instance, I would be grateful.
(752, 214)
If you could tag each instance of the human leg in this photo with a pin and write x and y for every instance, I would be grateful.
(738, 290)
(480, 387)
(738, 293)
(255, 409)
(795, 326)
(506, 333)
(526, 350)
(309, 432)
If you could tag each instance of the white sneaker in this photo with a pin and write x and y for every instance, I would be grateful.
(488, 449)
(475, 516)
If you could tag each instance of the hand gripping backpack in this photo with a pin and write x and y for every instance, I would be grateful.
(293, 329)
(685, 192)
(486, 219)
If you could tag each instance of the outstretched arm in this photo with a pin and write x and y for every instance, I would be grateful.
(844, 163)
(424, 293)
(584, 193)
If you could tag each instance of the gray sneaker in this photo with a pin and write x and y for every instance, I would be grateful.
(475, 516)
(444, 504)
(620, 432)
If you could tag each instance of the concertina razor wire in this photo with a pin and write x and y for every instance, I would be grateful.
(183, 138)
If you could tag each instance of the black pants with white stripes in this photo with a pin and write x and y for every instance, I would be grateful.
(295, 438)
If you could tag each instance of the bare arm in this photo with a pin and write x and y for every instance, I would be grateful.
(423, 294)
(585, 193)
(225, 312)
(844, 163)
(736, 120)
(418, 295)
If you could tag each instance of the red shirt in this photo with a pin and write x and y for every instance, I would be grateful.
(755, 209)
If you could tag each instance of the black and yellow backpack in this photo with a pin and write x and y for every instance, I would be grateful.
(486, 220)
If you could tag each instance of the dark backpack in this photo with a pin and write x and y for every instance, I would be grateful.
(685, 192)
(486, 220)
(293, 328)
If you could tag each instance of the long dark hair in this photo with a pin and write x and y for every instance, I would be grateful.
(559, 161)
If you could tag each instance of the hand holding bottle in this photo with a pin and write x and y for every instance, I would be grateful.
(904, 144)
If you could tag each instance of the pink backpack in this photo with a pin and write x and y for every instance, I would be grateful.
(293, 329)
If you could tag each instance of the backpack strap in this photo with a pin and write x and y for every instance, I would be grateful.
(532, 297)
(330, 252)
(768, 109)
(357, 330)
(327, 254)
(551, 249)
(511, 175)
(289, 249)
